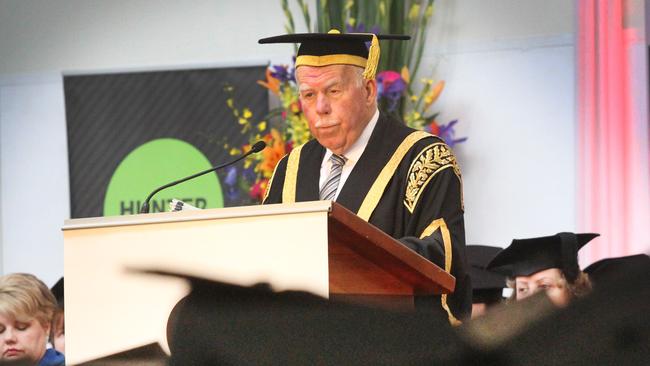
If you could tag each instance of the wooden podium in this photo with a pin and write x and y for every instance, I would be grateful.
(317, 246)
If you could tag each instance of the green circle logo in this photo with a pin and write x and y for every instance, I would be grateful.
(157, 163)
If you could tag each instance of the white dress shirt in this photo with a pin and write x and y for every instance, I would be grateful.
(353, 154)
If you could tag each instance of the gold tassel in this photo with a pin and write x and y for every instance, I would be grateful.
(373, 59)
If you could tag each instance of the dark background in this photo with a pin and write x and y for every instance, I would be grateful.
(109, 115)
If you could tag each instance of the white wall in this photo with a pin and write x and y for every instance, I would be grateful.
(34, 171)
(517, 107)
(510, 70)
(509, 67)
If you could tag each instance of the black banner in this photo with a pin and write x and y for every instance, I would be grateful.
(110, 115)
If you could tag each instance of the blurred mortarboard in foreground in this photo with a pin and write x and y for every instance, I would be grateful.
(335, 48)
(218, 323)
(527, 256)
(487, 286)
(58, 291)
(612, 269)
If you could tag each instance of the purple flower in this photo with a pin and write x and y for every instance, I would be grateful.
(231, 176)
(249, 175)
(390, 86)
(283, 73)
(447, 133)
(361, 28)
(232, 191)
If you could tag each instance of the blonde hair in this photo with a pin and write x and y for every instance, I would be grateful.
(579, 288)
(23, 296)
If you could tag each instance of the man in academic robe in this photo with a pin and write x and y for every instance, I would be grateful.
(403, 181)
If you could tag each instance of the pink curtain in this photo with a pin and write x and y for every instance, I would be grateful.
(613, 172)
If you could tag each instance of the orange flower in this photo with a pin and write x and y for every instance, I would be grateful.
(273, 153)
(271, 83)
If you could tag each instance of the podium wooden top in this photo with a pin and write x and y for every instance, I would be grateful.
(365, 260)
(197, 215)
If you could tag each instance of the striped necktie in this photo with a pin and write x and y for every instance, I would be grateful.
(332, 182)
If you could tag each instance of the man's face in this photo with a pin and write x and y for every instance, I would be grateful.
(550, 280)
(21, 339)
(337, 103)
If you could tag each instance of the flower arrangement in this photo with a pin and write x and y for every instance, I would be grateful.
(285, 126)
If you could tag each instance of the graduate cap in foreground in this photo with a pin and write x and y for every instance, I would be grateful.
(336, 48)
(527, 256)
(487, 285)
(225, 324)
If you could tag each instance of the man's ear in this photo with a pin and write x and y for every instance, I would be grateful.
(371, 91)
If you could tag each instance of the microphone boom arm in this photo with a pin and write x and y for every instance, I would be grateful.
(259, 146)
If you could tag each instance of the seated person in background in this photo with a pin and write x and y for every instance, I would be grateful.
(612, 269)
(57, 334)
(548, 263)
(487, 286)
(26, 310)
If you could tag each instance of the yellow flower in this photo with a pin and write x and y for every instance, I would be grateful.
(406, 75)
(261, 126)
(434, 94)
(229, 102)
(242, 121)
(235, 151)
(247, 113)
(414, 12)
(429, 12)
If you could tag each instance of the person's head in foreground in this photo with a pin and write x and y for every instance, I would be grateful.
(26, 310)
(548, 263)
(336, 80)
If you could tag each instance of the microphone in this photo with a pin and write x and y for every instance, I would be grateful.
(257, 147)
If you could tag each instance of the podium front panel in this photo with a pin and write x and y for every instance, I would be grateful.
(110, 309)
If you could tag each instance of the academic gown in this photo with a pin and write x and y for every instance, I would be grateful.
(421, 204)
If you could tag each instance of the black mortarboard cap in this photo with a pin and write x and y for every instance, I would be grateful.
(527, 256)
(487, 286)
(612, 269)
(335, 48)
(58, 291)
